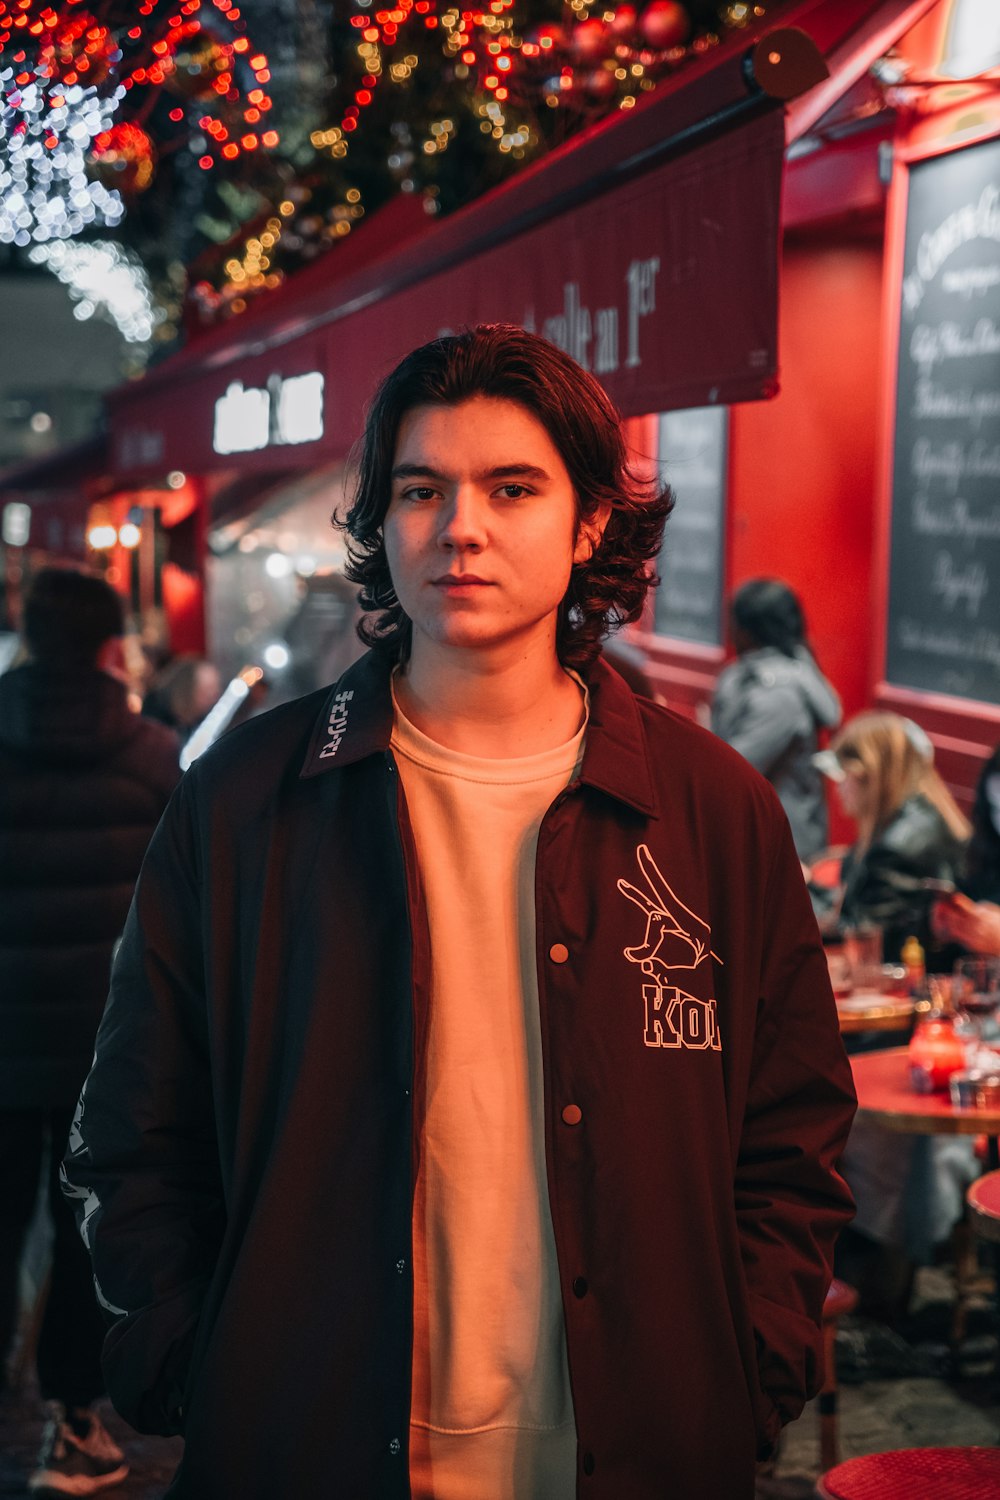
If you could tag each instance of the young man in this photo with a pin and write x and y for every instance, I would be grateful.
(464, 1119)
(83, 782)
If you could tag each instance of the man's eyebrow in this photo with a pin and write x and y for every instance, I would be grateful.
(520, 471)
(415, 471)
(496, 471)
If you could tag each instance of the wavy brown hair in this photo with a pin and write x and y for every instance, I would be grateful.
(506, 363)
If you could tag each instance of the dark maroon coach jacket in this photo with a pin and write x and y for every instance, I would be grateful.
(242, 1157)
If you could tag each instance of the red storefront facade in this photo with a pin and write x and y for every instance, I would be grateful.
(650, 248)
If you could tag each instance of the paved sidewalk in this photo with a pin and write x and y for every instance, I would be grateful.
(897, 1391)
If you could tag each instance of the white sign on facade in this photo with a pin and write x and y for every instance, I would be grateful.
(284, 411)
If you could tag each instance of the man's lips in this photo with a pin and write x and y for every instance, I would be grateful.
(460, 580)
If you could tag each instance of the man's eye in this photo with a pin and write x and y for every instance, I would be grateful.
(419, 492)
(513, 491)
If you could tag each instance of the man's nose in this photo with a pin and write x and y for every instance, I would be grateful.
(463, 521)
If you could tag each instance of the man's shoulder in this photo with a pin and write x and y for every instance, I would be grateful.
(684, 754)
(691, 743)
(263, 747)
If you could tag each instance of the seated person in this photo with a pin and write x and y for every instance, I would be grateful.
(910, 1190)
(909, 829)
(971, 917)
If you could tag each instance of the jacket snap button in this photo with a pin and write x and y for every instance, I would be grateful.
(580, 1286)
(559, 953)
(572, 1114)
(394, 1446)
(401, 1266)
(588, 1463)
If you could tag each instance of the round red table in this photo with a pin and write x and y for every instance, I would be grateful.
(882, 1080)
(874, 1012)
(916, 1474)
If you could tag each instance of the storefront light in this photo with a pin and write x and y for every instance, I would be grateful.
(16, 525)
(305, 566)
(277, 565)
(129, 535)
(102, 537)
(276, 656)
(248, 418)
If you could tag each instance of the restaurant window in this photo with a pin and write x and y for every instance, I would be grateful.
(693, 453)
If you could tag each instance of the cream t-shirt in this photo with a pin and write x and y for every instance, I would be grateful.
(491, 1412)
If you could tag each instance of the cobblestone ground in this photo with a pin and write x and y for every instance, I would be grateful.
(898, 1390)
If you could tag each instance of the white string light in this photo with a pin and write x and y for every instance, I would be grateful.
(45, 192)
(103, 278)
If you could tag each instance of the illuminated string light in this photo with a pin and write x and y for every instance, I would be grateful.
(73, 76)
(526, 85)
(106, 280)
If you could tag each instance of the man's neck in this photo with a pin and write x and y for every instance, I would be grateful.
(495, 708)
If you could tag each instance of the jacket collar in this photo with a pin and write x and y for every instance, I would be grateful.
(616, 757)
(356, 721)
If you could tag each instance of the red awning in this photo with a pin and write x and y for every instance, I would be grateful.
(647, 247)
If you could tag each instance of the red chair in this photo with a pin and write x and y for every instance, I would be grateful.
(983, 1199)
(840, 1299)
(916, 1474)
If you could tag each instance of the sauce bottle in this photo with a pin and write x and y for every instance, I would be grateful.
(914, 962)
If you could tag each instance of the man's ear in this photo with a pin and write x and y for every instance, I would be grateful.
(111, 658)
(590, 532)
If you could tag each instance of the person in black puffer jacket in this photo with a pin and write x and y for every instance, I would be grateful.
(83, 782)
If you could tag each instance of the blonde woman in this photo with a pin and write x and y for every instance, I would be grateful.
(909, 827)
(909, 1190)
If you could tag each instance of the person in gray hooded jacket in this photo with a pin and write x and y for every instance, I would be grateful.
(772, 701)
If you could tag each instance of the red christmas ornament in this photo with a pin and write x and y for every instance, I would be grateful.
(625, 21)
(122, 157)
(551, 37)
(664, 24)
(590, 40)
(80, 50)
(199, 63)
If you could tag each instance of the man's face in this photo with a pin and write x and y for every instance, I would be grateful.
(481, 530)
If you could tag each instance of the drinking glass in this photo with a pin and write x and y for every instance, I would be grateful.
(863, 949)
(976, 996)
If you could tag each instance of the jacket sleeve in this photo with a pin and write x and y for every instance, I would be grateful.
(770, 719)
(791, 1201)
(142, 1167)
(883, 885)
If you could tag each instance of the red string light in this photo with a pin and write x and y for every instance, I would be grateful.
(68, 43)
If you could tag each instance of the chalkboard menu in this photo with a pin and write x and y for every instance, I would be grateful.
(944, 582)
(693, 460)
